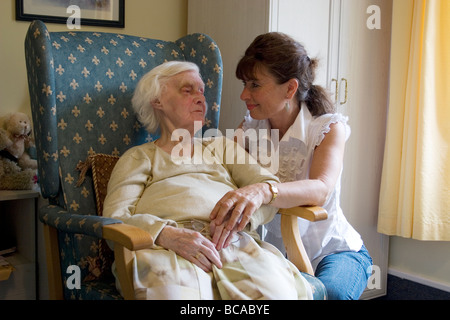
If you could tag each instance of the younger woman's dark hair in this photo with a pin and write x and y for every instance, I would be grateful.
(286, 59)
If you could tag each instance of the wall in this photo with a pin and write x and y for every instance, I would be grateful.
(223, 20)
(426, 262)
(147, 18)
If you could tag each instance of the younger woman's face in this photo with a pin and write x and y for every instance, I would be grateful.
(263, 96)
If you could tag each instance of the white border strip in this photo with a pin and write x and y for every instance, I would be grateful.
(419, 279)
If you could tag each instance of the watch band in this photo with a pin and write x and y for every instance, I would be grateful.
(274, 190)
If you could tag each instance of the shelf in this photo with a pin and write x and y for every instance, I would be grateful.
(6, 195)
(17, 259)
(18, 230)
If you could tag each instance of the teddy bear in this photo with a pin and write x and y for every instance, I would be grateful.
(18, 171)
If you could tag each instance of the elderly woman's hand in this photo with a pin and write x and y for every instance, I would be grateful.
(190, 245)
(221, 236)
(232, 213)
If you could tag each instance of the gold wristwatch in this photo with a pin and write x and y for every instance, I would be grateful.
(274, 190)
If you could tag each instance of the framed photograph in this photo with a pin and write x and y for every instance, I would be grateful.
(107, 13)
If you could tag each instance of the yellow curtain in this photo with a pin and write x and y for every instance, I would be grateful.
(415, 186)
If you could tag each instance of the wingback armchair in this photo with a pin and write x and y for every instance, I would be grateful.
(81, 85)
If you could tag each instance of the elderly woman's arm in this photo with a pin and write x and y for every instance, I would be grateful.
(126, 186)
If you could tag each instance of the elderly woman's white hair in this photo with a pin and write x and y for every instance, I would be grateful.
(150, 87)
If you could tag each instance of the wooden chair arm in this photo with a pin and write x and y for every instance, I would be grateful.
(128, 236)
(127, 239)
(291, 235)
(312, 214)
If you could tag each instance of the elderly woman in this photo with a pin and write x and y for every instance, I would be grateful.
(156, 187)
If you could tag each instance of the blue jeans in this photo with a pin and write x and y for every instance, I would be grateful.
(345, 274)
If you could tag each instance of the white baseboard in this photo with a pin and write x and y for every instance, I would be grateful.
(419, 279)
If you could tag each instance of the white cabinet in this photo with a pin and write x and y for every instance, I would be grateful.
(354, 66)
(362, 74)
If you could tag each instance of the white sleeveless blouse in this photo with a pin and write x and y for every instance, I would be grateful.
(296, 150)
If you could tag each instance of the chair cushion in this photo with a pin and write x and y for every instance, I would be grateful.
(101, 166)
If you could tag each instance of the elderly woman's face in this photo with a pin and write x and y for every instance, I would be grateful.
(182, 100)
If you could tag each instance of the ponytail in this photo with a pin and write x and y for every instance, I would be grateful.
(317, 98)
(318, 101)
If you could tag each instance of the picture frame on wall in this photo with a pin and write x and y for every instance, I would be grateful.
(105, 13)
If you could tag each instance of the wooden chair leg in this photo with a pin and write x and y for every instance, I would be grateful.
(124, 264)
(55, 285)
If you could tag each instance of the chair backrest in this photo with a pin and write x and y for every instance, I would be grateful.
(81, 85)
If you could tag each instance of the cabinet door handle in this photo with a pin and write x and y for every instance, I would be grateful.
(346, 91)
(336, 94)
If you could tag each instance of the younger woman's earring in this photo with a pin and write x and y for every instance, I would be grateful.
(287, 106)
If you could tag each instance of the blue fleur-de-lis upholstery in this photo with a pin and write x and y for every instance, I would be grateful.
(81, 85)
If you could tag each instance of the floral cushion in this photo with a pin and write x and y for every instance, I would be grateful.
(101, 166)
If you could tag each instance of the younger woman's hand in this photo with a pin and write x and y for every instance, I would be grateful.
(233, 212)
